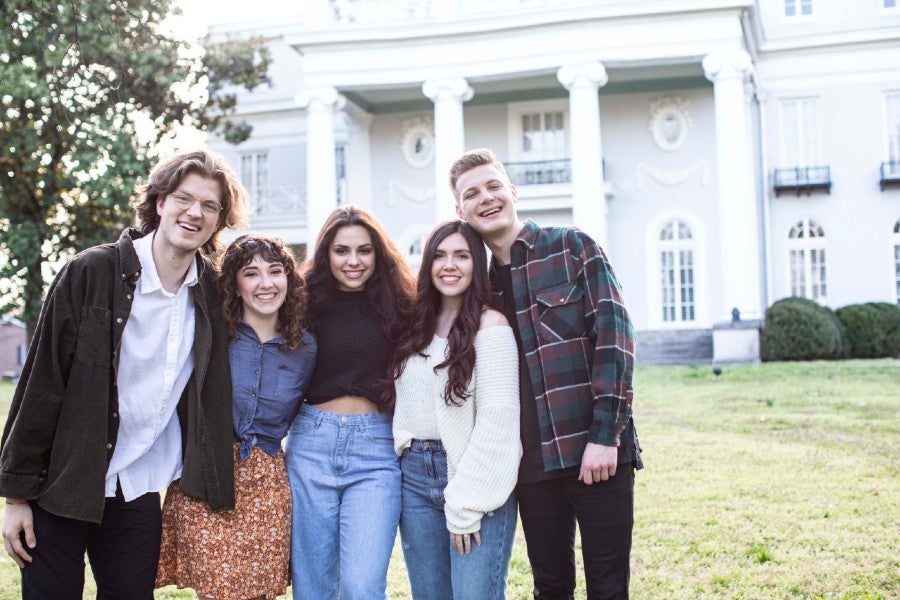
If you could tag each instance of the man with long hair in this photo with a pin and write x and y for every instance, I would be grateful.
(576, 344)
(126, 388)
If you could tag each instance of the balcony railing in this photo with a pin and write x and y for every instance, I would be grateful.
(540, 172)
(890, 174)
(803, 179)
(285, 202)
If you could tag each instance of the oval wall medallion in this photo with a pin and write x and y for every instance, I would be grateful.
(417, 141)
(670, 121)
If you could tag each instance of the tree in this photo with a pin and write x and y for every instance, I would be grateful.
(87, 90)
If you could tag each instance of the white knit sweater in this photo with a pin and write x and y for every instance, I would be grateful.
(481, 437)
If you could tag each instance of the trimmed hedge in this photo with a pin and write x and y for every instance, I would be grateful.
(800, 329)
(872, 330)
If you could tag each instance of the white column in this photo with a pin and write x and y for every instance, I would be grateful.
(321, 189)
(736, 187)
(588, 199)
(359, 156)
(448, 96)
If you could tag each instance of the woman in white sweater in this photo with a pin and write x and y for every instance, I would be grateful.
(456, 426)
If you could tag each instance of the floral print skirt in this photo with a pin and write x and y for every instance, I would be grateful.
(236, 554)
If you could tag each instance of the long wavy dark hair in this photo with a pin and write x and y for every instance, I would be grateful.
(292, 314)
(390, 290)
(460, 361)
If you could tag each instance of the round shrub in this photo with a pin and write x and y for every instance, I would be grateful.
(800, 329)
(872, 329)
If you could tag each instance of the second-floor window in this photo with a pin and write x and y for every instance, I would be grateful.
(798, 8)
(538, 143)
(255, 177)
(800, 132)
(340, 174)
(543, 135)
(892, 125)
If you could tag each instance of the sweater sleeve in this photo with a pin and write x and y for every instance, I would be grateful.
(486, 473)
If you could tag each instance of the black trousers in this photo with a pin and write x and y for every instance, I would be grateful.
(605, 515)
(123, 550)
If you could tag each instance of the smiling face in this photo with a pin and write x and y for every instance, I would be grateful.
(486, 201)
(184, 230)
(352, 258)
(262, 286)
(452, 267)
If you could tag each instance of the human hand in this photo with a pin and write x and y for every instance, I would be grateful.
(598, 463)
(463, 541)
(18, 519)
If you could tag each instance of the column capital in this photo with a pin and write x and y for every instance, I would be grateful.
(583, 74)
(448, 89)
(726, 65)
(313, 98)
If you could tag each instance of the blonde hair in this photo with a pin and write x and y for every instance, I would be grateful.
(468, 161)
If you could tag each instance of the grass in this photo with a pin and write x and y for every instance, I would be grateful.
(773, 481)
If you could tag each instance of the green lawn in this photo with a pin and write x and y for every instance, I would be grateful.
(775, 481)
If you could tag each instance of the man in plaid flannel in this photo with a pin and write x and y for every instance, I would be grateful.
(576, 345)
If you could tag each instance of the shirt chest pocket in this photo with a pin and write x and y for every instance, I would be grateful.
(561, 314)
(94, 336)
(272, 384)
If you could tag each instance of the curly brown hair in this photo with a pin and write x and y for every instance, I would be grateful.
(167, 176)
(292, 314)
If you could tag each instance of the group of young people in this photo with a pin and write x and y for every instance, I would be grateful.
(298, 417)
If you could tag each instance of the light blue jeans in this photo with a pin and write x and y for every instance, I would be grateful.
(345, 483)
(436, 570)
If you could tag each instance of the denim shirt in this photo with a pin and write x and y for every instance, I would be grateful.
(269, 384)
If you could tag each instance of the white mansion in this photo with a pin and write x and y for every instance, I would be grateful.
(725, 153)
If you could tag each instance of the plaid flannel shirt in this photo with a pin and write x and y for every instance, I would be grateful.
(577, 339)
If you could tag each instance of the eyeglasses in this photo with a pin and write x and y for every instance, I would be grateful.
(184, 201)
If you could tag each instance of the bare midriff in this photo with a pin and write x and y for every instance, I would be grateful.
(349, 405)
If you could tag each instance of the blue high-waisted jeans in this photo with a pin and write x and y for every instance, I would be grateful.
(345, 483)
(436, 570)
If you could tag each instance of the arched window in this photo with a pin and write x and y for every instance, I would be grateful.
(896, 239)
(412, 243)
(806, 248)
(415, 250)
(676, 257)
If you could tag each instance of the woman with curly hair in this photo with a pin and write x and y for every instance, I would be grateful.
(244, 553)
(345, 477)
(456, 426)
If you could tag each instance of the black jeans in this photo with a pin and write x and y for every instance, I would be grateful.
(605, 515)
(123, 550)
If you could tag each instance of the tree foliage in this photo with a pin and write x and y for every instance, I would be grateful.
(87, 89)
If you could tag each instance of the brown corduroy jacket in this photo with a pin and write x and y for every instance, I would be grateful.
(63, 421)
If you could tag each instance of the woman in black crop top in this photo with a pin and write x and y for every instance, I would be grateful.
(344, 474)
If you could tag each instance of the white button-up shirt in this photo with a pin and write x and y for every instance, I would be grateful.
(155, 364)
